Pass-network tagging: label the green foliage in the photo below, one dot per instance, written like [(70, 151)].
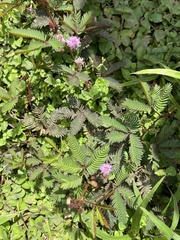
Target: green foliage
[(99, 157), (136, 149), (119, 206), (28, 33), (68, 181), (66, 111)]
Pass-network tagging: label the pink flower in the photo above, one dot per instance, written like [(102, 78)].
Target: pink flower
[(73, 42), (79, 61), (106, 169), (60, 38)]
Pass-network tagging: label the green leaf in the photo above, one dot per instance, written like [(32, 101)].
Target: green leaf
[(68, 181), (76, 149), (167, 232), (159, 34), (121, 176), (67, 165), (6, 218), (92, 117), (101, 218), (135, 149), (116, 136), (34, 45), (78, 4), (52, 143), (136, 218), (8, 106), (175, 220), (77, 123), (55, 43), (92, 222), (160, 172), (36, 173), (114, 84), (28, 33), (119, 206), (156, 17), (104, 236), (86, 18), (4, 94), (137, 193), (69, 23), (136, 105), (161, 97), (160, 71), (111, 122), (99, 157), (146, 90), (49, 159)]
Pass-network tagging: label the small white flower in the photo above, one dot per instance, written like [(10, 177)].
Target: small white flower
[(79, 61)]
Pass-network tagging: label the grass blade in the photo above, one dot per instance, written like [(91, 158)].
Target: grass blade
[(136, 218), (160, 71), (166, 231), (175, 220)]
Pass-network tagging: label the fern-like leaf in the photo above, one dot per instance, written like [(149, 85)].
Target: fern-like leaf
[(40, 21), (136, 105), (76, 149), (28, 33), (120, 208), (17, 87), (34, 45), (116, 136), (135, 149), (48, 181), (99, 157), (72, 182), (68, 22), (67, 70), (77, 123), (92, 117), (36, 173), (132, 121), (8, 106), (116, 159), (68, 181), (121, 176), (32, 161), (146, 90), (79, 4), (162, 100), (55, 44), (29, 122), (111, 122), (127, 195), (4, 94), (172, 143), (86, 19), (170, 148), (114, 84), (60, 113), (52, 143), (56, 131), (67, 165), (49, 159)]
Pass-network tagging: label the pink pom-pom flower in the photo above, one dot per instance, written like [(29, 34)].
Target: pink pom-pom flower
[(106, 169), (73, 42)]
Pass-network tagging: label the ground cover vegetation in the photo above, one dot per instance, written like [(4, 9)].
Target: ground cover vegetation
[(89, 119)]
